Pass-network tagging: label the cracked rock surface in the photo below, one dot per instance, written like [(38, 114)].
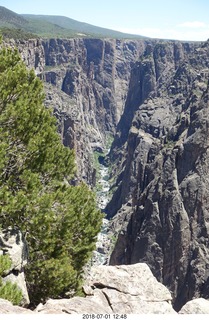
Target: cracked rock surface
[(125, 289), (117, 289)]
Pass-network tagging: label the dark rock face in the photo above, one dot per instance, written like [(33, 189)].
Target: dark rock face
[(150, 108), (160, 160), (86, 83)]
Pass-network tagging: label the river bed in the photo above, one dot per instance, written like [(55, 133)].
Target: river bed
[(103, 245)]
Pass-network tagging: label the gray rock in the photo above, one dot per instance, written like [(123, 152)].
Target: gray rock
[(75, 305), (19, 279), (116, 289), (196, 306), (122, 289), (13, 243), (6, 307), (130, 289)]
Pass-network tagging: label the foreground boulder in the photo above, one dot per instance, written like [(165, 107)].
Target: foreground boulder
[(7, 307), (196, 306), (125, 289), (116, 289)]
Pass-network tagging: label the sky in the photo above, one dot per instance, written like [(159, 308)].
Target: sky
[(166, 19)]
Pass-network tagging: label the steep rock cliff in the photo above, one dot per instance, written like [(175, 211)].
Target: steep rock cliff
[(160, 160), (86, 83), (152, 106)]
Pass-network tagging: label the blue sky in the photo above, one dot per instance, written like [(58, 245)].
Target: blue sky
[(177, 19)]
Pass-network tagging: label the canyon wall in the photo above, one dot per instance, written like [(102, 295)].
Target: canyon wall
[(161, 169), (86, 83)]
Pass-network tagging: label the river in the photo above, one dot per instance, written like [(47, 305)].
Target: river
[(103, 245)]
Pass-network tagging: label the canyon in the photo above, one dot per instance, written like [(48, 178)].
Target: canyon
[(86, 83), (152, 97)]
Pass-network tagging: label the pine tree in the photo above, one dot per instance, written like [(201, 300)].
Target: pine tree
[(59, 221)]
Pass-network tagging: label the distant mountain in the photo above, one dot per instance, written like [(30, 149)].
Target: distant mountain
[(9, 18), (53, 26), (79, 28)]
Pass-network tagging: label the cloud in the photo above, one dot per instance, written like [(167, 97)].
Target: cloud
[(193, 24), (174, 33)]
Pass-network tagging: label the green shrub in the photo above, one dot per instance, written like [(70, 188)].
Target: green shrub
[(8, 290)]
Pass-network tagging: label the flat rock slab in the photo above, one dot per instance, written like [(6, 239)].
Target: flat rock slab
[(76, 305), (136, 280)]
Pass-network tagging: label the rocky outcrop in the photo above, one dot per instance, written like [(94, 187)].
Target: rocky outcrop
[(160, 159), (13, 244), (129, 289), (125, 289), (114, 289)]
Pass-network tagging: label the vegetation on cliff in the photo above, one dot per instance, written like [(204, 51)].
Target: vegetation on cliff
[(11, 33), (59, 221)]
